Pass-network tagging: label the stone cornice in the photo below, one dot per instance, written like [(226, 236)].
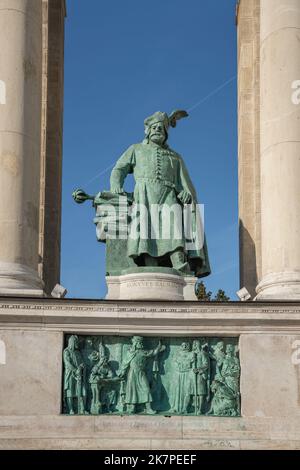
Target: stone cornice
[(125, 317)]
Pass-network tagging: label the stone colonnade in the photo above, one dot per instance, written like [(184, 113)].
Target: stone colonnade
[(20, 136), (280, 150)]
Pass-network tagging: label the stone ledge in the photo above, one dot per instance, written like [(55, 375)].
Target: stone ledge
[(141, 427), (146, 444), (111, 432), (165, 318)]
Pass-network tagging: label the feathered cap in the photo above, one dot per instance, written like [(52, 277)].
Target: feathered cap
[(163, 117)]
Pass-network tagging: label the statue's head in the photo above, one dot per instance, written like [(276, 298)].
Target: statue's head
[(219, 346), (89, 342), (73, 342), (230, 349), (196, 345), (156, 128), (157, 125), (185, 346), (137, 342)]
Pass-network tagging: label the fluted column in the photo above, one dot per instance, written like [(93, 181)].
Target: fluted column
[(280, 150), (20, 131)]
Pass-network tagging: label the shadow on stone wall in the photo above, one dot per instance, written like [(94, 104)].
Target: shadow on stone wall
[(248, 261)]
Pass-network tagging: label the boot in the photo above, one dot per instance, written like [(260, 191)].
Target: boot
[(178, 261), (149, 410)]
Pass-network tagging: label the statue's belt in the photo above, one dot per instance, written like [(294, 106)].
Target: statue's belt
[(168, 184)]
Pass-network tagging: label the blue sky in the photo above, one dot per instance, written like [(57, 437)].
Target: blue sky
[(125, 60)]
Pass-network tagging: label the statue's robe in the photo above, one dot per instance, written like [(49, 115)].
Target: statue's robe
[(137, 385), (72, 360), (202, 378), (160, 175), (184, 381)]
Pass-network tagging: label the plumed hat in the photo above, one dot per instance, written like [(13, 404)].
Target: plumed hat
[(163, 117), (157, 117)]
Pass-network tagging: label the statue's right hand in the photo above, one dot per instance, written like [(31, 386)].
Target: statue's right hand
[(117, 190), (81, 196)]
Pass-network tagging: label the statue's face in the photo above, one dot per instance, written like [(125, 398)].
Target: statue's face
[(137, 343), (73, 342), (157, 133), (230, 349), (185, 347)]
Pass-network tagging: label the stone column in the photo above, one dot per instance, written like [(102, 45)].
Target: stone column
[(248, 22), (54, 12), (280, 150), (20, 134)]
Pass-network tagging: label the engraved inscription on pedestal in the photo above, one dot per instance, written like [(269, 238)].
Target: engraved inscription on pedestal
[(130, 375)]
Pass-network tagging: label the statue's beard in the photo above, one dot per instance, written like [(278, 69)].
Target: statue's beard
[(158, 138)]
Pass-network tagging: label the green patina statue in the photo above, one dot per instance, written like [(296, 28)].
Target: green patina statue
[(102, 379), (183, 380), (159, 225), (202, 375), (74, 384), (122, 375), (225, 386), (137, 391)]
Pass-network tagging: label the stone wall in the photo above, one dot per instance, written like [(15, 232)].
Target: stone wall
[(31, 379)]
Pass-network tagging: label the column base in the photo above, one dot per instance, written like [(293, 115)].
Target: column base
[(279, 286), (19, 280)]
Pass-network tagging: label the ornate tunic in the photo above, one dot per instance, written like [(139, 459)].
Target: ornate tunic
[(160, 175)]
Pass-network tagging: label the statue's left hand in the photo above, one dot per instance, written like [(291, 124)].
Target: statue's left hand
[(185, 197)]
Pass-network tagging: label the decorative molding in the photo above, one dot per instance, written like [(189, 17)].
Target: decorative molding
[(150, 318), (142, 307)]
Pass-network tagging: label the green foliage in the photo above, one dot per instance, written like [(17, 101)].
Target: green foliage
[(221, 296), (206, 296), (202, 293)]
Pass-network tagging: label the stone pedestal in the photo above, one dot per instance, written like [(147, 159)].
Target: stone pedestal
[(150, 286), (32, 333), (189, 288)]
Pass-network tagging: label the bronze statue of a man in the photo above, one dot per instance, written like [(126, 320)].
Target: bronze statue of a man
[(74, 386), (137, 389), (162, 181)]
